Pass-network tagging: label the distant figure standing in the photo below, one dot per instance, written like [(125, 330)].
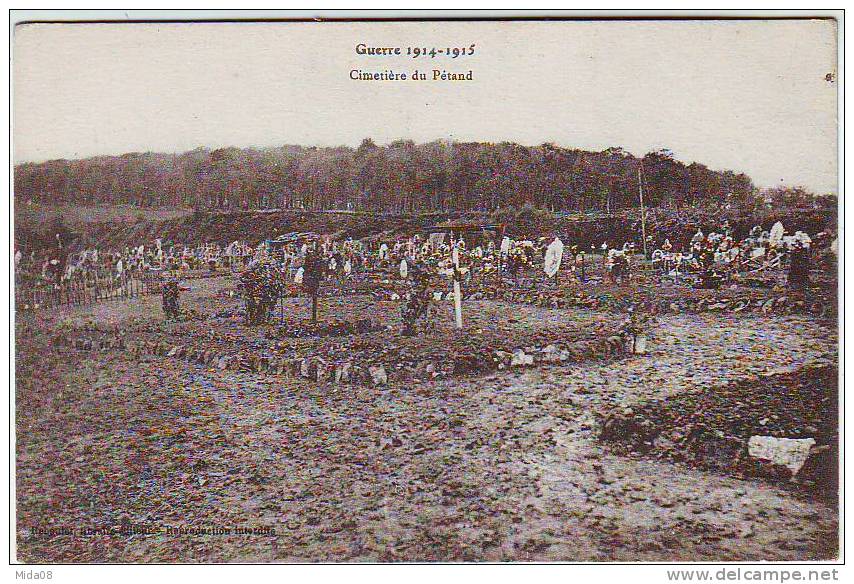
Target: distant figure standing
[(418, 299), (314, 269), (170, 291), (709, 278), (799, 266)]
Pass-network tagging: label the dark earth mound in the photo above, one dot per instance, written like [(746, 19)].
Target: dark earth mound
[(710, 429)]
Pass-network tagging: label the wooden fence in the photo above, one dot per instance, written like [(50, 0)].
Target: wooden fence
[(88, 288)]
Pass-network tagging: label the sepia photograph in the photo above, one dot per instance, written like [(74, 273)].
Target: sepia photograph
[(426, 290)]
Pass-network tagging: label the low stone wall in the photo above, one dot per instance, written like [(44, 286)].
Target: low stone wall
[(293, 328), (771, 303), (323, 370), (772, 300)]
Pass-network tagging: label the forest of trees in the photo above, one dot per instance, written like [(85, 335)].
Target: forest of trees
[(400, 177)]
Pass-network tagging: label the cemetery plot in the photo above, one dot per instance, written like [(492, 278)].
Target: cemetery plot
[(423, 400)]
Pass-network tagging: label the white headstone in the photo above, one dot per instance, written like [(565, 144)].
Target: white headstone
[(776, 235), (505, 245), (554, 254)]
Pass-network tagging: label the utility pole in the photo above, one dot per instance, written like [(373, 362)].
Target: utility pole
[(643, 210)]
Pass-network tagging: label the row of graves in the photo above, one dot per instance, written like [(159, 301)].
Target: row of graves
[(457, 262), (489, 261), (277, 324), (414, 293), (57, 276)]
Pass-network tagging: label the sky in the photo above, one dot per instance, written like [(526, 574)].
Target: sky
[(750, 96)]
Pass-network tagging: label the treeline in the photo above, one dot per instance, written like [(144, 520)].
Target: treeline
[(400, 177)]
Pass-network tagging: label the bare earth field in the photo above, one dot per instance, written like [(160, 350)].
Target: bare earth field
[(116, 452)]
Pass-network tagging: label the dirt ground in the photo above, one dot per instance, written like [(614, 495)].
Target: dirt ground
[(114, 454)]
